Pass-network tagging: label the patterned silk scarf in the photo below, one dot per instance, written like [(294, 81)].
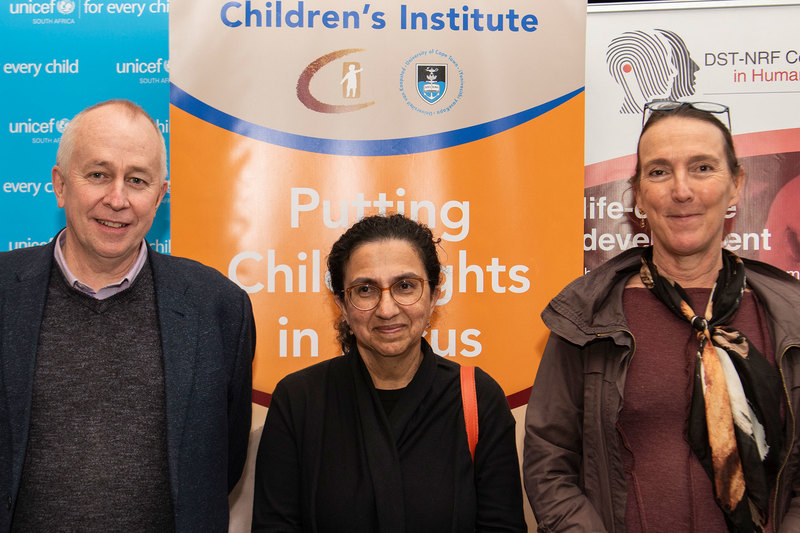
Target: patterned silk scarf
[(734, 419)]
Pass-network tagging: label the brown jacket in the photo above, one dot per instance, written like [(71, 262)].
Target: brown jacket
[(572, 464)]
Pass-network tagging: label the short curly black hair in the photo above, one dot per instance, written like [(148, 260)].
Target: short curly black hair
[(379, 228)]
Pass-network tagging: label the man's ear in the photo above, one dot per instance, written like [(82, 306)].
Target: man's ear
[(164, 187), (59, 183)]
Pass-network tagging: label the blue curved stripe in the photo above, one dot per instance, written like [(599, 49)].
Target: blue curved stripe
[(407, 145)]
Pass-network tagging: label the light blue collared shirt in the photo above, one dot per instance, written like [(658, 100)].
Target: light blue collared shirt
[(108, 290)]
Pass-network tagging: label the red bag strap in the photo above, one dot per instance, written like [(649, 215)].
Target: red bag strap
[(469, 400)]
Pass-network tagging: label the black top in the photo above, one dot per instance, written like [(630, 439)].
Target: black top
[(330, 459), (389, 398)]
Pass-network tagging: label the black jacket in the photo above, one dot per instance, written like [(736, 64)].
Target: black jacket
[(208, 342)]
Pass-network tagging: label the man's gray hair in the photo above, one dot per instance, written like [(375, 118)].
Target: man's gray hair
[(67, 144)]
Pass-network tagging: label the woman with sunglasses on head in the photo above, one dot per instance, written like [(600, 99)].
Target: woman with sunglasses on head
[(376, 440), (667, 392)]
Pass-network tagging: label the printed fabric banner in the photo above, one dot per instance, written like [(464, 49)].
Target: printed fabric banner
[(291, 120), (744, 55), (56, 58)]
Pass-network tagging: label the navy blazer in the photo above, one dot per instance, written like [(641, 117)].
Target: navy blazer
[(208, 342)]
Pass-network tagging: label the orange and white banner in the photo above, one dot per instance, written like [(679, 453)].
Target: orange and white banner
[(290, 120)]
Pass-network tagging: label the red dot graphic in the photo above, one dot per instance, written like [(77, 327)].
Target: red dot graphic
[(626, 67)]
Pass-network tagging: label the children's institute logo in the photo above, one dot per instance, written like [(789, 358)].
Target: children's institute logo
[(340, 90), (649, 66), (431, 82)]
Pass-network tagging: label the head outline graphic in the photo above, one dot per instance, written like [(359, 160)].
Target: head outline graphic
[(649, 66)]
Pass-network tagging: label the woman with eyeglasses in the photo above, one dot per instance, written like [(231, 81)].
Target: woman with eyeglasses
[(376, 440), (667, 393)]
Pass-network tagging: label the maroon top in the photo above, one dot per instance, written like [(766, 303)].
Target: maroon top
[(667, 486)]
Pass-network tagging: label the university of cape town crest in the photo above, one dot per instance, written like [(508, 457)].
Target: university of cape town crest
[(431, 82)]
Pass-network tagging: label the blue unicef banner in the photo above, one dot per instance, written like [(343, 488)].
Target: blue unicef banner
[(56, 58)]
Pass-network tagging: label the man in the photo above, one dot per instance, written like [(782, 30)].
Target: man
[(125, 375)]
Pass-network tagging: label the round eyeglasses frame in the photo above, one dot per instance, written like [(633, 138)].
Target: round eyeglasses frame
[(348, 290)]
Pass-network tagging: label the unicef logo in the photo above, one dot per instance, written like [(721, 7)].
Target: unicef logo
[(65, 7), (61, 125)]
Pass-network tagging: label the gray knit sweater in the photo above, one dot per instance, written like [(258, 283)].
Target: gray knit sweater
[(97, 454)]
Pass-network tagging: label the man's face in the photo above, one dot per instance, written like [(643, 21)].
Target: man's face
[(110, 188)]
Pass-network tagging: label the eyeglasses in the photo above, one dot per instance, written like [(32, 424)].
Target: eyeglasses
[(671, 105), (366, 296)]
